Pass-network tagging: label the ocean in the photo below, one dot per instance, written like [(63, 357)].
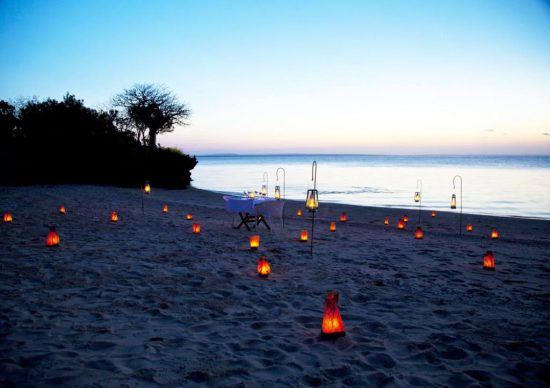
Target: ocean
[(493, 185)]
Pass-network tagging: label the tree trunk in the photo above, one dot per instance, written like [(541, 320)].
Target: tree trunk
[(152, 138)]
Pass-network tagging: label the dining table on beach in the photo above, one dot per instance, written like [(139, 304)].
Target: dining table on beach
[(249, 209)]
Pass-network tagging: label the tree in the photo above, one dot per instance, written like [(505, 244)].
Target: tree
[(152, 108), (8, 122)]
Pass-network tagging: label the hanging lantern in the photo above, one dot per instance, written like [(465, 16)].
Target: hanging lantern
[(303, 235), (419, 234), (114, 217), (333, 226), (8, 217), (299, 213), (386, 221), (343, 217), (453, 201), (417, 196), (147, 188), (469, 227), (62, 209), (264, 269), (196, 228), (53, 238), (400, 224), (264, 190), (165, 209), (312, 200), (332, 326), (494, 234), (254, 242), (433, 214), (489, 261), (405, 218), (277, 192), (189, 216)]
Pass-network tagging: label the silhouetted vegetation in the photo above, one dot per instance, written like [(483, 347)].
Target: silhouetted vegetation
[(66, 142)]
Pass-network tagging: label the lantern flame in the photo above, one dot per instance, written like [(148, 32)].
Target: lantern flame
[(303, 235), (62, 209), (196, 228), (433, 213), (333, 226), (189, 216), (312, 202), (400, 224), (165, 209), (405, 218), (494, 234), (114, 217), (53, 238), (332, 325), (489, 261), (147, 188), (469, 227), (8, 217), (264, 269), (419, 234), (343, 217), (254, 242), (299, 213)]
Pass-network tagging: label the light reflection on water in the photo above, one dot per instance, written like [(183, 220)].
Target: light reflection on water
[(496, 185)]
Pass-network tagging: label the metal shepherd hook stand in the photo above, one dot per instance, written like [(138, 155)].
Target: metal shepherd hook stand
[(418, 198), (312, 199), (277, 188), (453, 203)]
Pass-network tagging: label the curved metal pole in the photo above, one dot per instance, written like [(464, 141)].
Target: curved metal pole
[(460, 218), (419, 202), (265, 178), (314, 174), (284, 179)]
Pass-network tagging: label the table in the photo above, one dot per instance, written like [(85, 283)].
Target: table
[(246, 208)]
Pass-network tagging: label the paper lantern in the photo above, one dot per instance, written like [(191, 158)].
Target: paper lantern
[(453, 201), (333, 226), (405, 218), (386, 221), (299, 213), (189, 216), (489, 261), (303, 235), (312, 200), (433, 214), (264, 269), (417, 196), (494, 234), (165, 209), (343, 217), (469, 227), (332, 326), (8, 217), (277, 192), (114, 217), (419, 234), (62, 209), (254, 242), (147, 188), (400, 224), (53, 238), (196, 228)]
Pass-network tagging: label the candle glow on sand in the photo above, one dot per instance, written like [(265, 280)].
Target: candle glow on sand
[(332, 325), (52, 239), (8, 217)]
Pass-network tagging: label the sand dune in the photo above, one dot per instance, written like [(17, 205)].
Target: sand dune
[(144, 301)]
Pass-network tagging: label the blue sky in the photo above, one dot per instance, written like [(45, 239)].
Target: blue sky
[(401, 77)]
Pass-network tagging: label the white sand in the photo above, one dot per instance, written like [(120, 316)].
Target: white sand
[(145, 301)]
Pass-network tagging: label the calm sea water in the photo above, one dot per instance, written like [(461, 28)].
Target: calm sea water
[(496, 185)]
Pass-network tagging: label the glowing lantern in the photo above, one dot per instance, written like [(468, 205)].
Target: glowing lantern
[(417, 196), (251, 194), (147, 188), (400, 224), (489, 261), (419, 234), (312, 200), (264, 190), (114, 217), (469, 227), (386, 221), (8, 217), (165, 209), (333, 226), (264, 269), (254, 242), (332, 325), (433, 213), (277, 192), (53, 238), (494, 234), (303, 235), (343, 217), (189, 216), (453, 201), (299, 213), (405, 218), (62, 209), (196, 228)]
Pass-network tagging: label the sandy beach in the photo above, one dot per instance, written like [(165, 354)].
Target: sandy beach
[(145, 301)]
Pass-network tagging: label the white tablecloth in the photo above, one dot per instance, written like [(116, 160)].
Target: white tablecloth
[(244, 204)]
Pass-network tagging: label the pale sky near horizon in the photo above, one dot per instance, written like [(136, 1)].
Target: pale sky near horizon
[(393, 77)]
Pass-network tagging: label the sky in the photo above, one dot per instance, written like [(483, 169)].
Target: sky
[(380, 77)]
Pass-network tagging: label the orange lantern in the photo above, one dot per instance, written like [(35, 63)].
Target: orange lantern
[(53, 238), (299, 213), (419, 234), (62, 209), (400, 224), (303, 235), (433, 213), (332, 325), (343, 217), (489, 261), (114, 217), (165, 209), (386, 221), (264, 269), (254, 242), (333, 226), (494, 234), (189, 216), (196, 228), (8, 217), (469, 227), (405, 218)]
